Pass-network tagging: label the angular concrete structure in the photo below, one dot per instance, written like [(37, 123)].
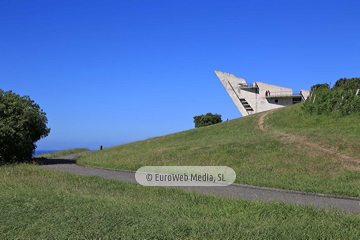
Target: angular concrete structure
[(257, 97)]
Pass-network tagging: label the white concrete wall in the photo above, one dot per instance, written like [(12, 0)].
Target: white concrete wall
[(305, 93), (268, 104), (250, 96), (256, 98), (225, 79)]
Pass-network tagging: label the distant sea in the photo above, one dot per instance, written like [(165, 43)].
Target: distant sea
[(39, 152)]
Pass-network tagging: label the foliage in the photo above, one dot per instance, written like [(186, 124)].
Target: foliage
[(206, 120), (320, 87), (347, 84), (341, 99), (22, 123)]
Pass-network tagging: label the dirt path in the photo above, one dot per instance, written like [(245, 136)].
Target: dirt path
[(261, 121), (300, 139)]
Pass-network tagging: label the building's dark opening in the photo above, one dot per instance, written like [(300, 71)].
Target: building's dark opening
[(276, 101), (296, 100)]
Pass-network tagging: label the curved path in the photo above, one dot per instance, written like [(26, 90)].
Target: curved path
[(239, 191)]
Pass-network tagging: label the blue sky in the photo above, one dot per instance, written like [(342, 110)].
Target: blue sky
[(113, 72)]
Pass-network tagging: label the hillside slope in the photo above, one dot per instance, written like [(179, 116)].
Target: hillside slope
[(262, 158), (340, 134)]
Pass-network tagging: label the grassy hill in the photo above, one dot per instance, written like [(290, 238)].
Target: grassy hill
[(277, 157), (42, 204), (342, 134)]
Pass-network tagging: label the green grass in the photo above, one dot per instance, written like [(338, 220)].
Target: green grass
[(41, 204), (259, 158), (62, 153), (339, 133)]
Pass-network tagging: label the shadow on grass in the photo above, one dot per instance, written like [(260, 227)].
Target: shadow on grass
[(68, 159), (45, 161), (39, 161)]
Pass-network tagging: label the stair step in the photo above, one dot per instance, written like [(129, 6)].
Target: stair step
[(245, 104)]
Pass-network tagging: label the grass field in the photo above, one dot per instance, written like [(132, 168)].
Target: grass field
[(339, 133), (259, 158), (41, 204)]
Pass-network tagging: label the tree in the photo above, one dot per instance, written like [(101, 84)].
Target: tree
[(22, 123), (341, 99), (206, 120), (317, 87), (344, 84)]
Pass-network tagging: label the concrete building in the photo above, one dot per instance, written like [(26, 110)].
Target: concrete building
[(257, 97)]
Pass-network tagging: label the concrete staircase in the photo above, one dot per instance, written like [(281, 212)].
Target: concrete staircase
[(246, 104)]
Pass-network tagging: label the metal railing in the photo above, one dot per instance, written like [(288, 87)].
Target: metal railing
[(252, 84), (284, 94)]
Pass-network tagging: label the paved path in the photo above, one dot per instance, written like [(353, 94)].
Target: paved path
[(239, 191)]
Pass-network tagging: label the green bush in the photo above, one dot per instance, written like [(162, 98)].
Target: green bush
[(206, 120), (22, 123), (341, 99), (347, 84)]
